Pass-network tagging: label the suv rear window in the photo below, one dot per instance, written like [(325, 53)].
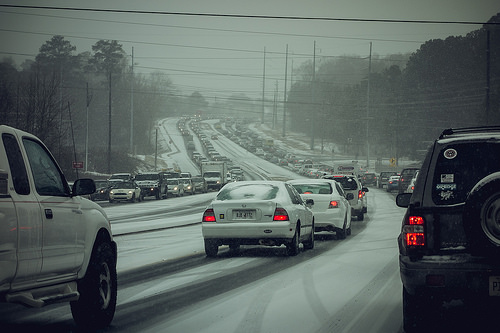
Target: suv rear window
[(348, 183), (459, 167)]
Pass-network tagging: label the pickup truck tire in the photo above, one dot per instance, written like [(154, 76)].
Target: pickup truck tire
[(481, 219), (98, 290)]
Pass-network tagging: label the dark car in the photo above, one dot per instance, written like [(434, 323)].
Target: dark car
[(405, 178), (383, 178), (101, 190), (449, 243), (369, 178)]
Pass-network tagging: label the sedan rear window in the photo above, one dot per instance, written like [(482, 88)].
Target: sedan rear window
[(250, 191), (313, 188)]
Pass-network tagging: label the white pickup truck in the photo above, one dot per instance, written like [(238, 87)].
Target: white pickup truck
[(55, 245)]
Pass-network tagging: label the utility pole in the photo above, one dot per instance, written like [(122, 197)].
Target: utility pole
[(284, 93), (109, 126), (87, 132), (132, 106), (311, 116), (263, 87), (368, 108)]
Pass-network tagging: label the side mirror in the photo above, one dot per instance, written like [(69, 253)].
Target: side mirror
[(83, 187), (309, 203), (403, 200), (349, 196), (365, 189)]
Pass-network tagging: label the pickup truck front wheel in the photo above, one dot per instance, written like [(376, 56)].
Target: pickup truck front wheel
[(98, 289)]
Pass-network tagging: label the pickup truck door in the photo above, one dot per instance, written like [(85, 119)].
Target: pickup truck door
[(60, 213), (20, 225)]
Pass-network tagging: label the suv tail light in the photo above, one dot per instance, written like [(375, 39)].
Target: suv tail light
[(280, 214), (413, 231), (209, 216), (334, 204), (360, 194)]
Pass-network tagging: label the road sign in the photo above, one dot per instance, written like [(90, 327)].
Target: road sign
[(392, 161), (77, 165)]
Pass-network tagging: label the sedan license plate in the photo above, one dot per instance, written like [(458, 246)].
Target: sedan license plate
[(243, 214), (494, 286)]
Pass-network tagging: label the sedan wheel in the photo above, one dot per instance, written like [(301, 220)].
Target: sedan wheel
[(211, 248), (292, 248)]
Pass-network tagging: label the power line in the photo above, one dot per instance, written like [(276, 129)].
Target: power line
[(220, 30), (276, 17)]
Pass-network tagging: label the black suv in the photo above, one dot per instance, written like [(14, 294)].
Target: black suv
[(450, 238)]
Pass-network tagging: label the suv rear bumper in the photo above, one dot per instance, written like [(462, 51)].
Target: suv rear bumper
[(457, 275)]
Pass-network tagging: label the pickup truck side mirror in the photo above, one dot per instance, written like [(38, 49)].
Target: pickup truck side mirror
[(349, 196), (83, 186)]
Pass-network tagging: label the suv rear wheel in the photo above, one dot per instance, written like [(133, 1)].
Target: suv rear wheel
[(482, 218)]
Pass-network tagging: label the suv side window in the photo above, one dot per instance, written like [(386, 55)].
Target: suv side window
[(16, 164), (459, 167), (46, 175)]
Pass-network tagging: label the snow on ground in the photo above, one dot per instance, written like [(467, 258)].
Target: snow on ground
[(317, 292)]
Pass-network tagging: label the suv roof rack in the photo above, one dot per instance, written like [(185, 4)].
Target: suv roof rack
[(465, 130)]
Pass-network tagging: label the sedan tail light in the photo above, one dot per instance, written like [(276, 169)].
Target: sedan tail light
[(334, 204), (413, 231), (280, 214), (209, 216)]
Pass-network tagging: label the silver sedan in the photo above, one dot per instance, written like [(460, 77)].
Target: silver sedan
[(269, 213)]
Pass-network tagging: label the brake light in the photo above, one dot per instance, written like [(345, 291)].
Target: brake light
[(280, 214), (413, 231), (334, 204), (209, 216), (360, 194)]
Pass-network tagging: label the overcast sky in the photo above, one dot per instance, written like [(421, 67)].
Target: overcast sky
[(220, 56)]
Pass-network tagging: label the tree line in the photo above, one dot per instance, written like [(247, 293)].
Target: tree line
[(453, 82), (399, 107)]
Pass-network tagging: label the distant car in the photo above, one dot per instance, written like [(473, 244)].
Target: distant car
[(351, 184), (125, 191), (174, 187), (384, 176), (152, 184), (411, 186), (369, 178), (188, 185), (101, 190), (269, 213), (405, 178), (392, 183), (199, 184), (121, 176), (332, 211)]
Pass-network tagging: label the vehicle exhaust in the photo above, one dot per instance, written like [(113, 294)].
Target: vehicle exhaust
[(267, 242)]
